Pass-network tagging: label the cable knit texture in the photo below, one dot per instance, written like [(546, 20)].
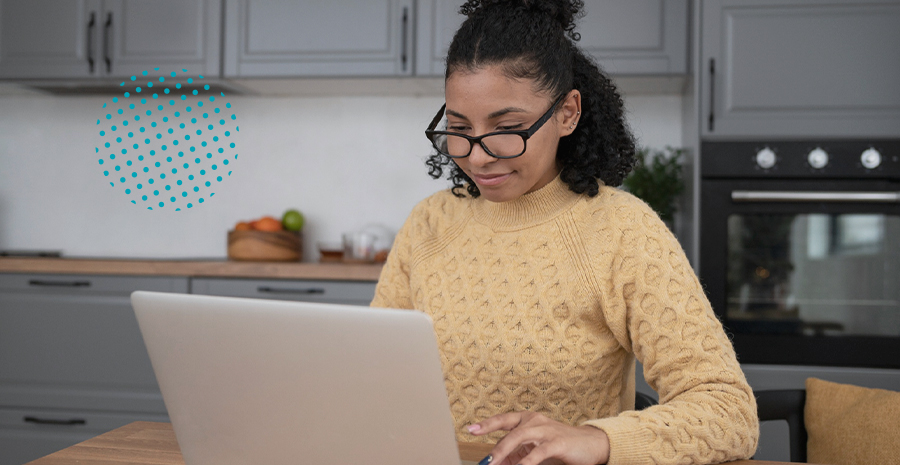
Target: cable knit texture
[(543, 303)]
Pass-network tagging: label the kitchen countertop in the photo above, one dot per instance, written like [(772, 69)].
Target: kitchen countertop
[(191, 267)]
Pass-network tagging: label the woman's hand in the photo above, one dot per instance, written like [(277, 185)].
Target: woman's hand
[(534, 439)]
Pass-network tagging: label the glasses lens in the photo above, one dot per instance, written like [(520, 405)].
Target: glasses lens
[(452, 146), (505, 145)]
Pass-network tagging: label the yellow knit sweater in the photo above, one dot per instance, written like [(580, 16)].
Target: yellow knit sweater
[(542, 304)]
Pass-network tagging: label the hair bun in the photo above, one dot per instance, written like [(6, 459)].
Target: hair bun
[(563, 12)]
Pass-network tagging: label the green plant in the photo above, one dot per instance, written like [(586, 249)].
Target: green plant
[(657, 179)]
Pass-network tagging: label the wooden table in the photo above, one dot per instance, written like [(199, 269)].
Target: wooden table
[(149, 443)]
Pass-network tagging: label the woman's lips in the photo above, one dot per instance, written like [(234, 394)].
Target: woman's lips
[(490, 179)]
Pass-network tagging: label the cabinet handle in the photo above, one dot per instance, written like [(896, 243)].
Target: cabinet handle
[(404, 39), (38, 282), (54, 421), (284, 290), (712, 92), (106, 42), (90, 47)]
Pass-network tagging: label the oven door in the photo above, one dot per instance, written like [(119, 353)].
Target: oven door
[(805, 272)]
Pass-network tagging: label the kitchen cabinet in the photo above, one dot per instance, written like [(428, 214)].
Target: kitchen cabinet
[(643, 37), (72, 360), (309, 38), (800, 68), (22, 442), (335, 292), (266, 39), (108, 38)]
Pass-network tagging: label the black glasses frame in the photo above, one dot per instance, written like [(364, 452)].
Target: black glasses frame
[(524, 134)]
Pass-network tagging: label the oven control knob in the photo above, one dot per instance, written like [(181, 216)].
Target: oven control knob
[(870, 159), (817, 158), (765, 158)]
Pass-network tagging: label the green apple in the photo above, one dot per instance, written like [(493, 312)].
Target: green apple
[(292, 220)]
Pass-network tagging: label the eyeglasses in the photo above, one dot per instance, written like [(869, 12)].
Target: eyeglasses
[(499, 144)]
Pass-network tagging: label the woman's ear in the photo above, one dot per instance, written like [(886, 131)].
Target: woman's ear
[(570, 112)]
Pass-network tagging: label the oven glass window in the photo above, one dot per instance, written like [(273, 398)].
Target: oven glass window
[(814, 274)]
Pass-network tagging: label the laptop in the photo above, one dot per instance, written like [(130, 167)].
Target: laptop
[(264, 381)]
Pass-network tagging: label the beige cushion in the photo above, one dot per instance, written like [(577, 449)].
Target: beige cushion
[(851, 425)]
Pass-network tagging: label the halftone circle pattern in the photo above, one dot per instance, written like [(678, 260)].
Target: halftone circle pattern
[(168, 141)]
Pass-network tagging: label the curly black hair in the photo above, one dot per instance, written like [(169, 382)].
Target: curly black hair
[(535, 39)]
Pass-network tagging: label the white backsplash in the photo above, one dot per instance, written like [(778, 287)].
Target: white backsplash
[(343, 161)]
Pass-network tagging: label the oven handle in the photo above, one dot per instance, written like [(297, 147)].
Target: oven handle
[(797, 196)]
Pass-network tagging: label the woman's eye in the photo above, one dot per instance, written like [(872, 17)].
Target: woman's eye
[(509, 128), (457, 128)]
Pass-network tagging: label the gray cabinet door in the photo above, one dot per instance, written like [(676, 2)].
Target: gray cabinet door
[(166, 34), (72, 342), (29, 434), (114, 38), (636, 37), (314, 38), (334, 292), (49, 38), (800, 68), (436, 23)]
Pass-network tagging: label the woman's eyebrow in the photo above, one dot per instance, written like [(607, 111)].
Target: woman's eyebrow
[(506, 110), (493, 115)]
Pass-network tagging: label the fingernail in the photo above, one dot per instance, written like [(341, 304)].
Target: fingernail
[(474, 428), (486, 460)]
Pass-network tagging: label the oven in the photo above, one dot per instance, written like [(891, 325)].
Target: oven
[(800, 249)]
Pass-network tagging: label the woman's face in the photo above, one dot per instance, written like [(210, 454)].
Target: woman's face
[(483, 101)]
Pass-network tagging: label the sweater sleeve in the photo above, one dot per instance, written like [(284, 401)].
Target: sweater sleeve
[(393, 290), (656, 308)]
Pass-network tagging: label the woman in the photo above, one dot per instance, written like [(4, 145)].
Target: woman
[(543, 280)]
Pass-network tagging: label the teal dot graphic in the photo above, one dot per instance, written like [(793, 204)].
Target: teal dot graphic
[(137, 155)]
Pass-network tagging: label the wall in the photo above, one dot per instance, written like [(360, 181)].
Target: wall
[(343, 161)]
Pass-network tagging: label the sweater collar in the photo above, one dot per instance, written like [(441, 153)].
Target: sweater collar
[(528, 210)]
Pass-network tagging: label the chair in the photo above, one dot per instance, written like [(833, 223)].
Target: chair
[(642, 401), (786, 404)]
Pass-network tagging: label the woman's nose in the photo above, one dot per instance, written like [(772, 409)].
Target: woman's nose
[(479, 157)]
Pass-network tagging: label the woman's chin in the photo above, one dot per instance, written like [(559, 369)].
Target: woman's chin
[(498, 194)]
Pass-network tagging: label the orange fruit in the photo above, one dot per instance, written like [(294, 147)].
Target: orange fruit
[(268, 223), (243, 226)]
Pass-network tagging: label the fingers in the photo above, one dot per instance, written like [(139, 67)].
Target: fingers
[(521, 443), (534, 439), (502, 422)]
